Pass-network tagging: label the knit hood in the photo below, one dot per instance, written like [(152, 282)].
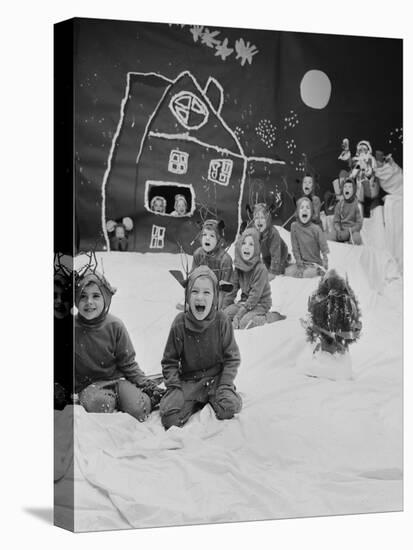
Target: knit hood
[(191, 322), (218, 228), (105, 288), (239, 262), (299, 203), (366, 143), (303, 190), (262, 208)]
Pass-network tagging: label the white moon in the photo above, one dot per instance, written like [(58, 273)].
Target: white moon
[(315, 89)]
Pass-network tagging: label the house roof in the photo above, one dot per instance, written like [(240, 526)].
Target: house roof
[(187, 108)]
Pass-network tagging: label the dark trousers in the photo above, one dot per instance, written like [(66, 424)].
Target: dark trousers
[(179, 404)]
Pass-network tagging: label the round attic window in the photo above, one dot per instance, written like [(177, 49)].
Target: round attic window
[(189, 110)]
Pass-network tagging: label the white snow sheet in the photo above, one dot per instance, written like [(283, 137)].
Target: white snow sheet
[(300, 446)]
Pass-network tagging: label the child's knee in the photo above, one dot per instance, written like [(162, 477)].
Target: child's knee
[(171, 419), (140, 409), (98, 400), (133, 401)]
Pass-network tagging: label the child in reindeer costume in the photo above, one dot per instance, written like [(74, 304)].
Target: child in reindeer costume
[(333, 323)]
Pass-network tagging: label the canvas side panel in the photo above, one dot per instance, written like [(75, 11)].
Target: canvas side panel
[(65, 246)]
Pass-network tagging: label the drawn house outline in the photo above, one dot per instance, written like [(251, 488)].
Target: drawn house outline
[(236, 151)]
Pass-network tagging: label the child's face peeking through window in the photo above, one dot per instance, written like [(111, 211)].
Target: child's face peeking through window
[(158, 206), (304, 212), (260, 221), (308, 185), (208, 240), (180, 207), (247, 248), (91, 302), (201, 298)]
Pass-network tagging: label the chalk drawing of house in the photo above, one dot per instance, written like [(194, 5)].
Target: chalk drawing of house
[(172, 141)]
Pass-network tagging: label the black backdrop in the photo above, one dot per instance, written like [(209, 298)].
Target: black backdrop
[(262, 100)]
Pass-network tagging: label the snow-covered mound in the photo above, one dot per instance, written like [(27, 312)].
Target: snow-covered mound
[(301, 446)]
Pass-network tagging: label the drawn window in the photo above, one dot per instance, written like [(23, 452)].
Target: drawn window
[(178, 162), (167, 198), (157, 237), (220, 171), (189, 110)]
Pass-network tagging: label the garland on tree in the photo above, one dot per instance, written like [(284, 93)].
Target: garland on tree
[(333, 319)]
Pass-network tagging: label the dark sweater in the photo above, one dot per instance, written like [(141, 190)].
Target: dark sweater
[(219, 261), (347, 215), (187, 352), (316, 209), (307, 242), (254, 285), (104, 352), (274, 251)]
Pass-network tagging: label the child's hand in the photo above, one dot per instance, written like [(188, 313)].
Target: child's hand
[(271, 276), (325, 263), (154, 392), (343, 235), (300, 269), (235, 323)]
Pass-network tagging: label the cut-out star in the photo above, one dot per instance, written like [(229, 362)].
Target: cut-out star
[(196, 32), (208, 38), (223, 51), (245, 51)]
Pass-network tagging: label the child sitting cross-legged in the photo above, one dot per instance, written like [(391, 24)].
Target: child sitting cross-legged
[(107, 376), (201, 357), (308, 242), (250, 275)]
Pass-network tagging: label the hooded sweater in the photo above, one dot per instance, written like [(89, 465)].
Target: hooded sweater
[(274, 251), (347, 214), (250, 276), (200, 348), (104, 352), (307, 240), (103, 348)]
